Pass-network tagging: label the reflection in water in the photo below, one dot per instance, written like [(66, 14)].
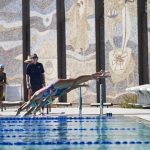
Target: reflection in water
[(101, 133), (62, 134), (2, 134), (81, 131), (33, 133)]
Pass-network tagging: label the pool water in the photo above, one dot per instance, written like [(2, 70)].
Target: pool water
[(73, 133)]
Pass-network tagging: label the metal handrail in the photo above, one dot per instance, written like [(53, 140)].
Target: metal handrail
[(101, 100), (80, 102)]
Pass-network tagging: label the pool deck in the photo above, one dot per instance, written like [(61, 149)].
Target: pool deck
[(141, 113)]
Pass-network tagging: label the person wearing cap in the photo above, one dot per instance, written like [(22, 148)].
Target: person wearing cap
[(2, 81), (35, 77)]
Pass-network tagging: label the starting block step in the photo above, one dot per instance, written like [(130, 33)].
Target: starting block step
[(62, 104), (146, 106), (140, 105), (135, 104), (104, 104)]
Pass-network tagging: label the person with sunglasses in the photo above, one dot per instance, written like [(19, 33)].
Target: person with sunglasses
[(35, 78)]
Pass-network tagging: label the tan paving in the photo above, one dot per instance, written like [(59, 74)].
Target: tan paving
[(141, 113)]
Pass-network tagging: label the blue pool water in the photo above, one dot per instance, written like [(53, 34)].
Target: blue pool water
[(73, 133)]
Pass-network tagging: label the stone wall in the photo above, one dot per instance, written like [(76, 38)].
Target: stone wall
[(80, 43), (11, 39), (44, 35), (121, 46)]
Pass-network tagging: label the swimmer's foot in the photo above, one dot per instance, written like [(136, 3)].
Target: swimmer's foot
[(18, 111)]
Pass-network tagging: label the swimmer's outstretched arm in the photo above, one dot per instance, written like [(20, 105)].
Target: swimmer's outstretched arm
[(95, 76), (63, 83)]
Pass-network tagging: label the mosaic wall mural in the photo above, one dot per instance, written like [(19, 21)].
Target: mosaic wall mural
[(148, 21), (121, 47), (80, 43), (44, 35), (121, 43), (11, 39)]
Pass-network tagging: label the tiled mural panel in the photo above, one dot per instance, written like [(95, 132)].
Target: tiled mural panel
[(148, 21), (121, 42), (80, 45), (44, 35), (121, 46), (11, 39)]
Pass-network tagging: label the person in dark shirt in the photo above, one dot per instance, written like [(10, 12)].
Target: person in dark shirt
[(2, 81), (35, 77)]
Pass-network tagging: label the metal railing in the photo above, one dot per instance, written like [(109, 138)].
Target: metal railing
[(101, 100), (80, 101)]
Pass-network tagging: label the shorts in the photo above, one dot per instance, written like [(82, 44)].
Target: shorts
[(1, 93), (36, 88)]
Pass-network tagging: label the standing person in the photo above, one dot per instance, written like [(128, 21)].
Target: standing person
[(35, 77), (29, 61), (3, 81)]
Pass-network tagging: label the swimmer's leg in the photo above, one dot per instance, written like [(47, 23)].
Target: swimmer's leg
[(38, 107), (43, 103), (26, 105), (29, 111), (33, 105)]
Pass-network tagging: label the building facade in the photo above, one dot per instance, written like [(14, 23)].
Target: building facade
[(75, 37)]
